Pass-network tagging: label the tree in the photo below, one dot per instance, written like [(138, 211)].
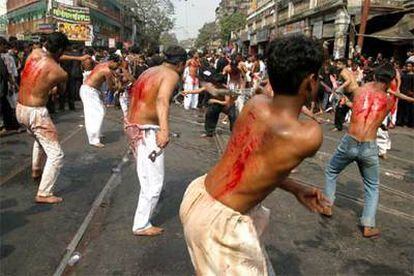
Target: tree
[(231, 23), (154, 17), (207, 34), (168, 39)]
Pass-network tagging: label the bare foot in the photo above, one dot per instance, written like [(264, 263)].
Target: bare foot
[(383, 156), (152, 231), (99, 145), (370, 232), (48, 199), (327, 212)]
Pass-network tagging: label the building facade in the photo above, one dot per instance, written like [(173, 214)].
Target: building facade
[(28, 19), (334, 21), (228, 7)]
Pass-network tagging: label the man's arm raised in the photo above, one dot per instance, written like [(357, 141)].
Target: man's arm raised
[(165, 92)]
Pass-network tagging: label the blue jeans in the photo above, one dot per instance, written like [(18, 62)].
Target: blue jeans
[(365, 154)]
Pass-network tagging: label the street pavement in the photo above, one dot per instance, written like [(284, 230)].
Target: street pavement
[(34, 238)]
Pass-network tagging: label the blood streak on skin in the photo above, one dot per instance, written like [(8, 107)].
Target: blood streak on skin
[(370, 105), (248, 143), (139, 89), (30, 75)]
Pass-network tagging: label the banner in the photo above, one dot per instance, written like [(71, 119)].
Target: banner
[(71, 14), (77, 32)]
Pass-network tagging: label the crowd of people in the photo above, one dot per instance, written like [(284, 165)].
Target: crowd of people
[(221, 212)]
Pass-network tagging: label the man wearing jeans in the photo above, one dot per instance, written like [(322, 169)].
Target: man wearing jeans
[(371, 105)]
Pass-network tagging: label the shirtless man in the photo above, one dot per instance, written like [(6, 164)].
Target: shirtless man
[(369, 108), (91, 96), (148, 131), (348, 86), (191, 81), (40, 76), (221, 212)]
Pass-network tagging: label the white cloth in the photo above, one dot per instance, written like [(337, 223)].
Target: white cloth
[(191, 100), (94, 112), (47, 152), (383, 138), (124, 102), (220, 240), (150, 176)]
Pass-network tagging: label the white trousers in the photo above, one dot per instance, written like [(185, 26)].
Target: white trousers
[(47, 152), (94, 112), (150, 176), (191, 100), (124, 102), (383, 137)]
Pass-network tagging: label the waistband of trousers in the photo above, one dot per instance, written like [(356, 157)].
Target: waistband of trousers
[(356, 141), (91, 87), (22, 106)]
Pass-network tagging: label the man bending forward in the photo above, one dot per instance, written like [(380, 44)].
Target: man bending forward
[(221, 212)]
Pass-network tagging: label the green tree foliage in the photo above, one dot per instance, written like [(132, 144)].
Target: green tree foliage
[(154, 17), (207, 34), (168, 39), (231, 23)]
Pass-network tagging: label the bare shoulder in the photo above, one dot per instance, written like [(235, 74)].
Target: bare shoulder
[(309, 135), (169, 75)]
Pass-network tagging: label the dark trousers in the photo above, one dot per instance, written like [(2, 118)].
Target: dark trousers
[(9, 114), (340, 115), (405, 114), (213, 114), (70, 94)]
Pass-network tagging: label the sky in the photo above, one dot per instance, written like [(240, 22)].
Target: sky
[(191, 15)]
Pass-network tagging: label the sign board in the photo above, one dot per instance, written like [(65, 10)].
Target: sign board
[(46, 27), (71, 14), (111, 42), (77, 32)]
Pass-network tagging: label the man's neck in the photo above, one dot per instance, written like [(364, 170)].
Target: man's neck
[(288, 105), (170, 66)]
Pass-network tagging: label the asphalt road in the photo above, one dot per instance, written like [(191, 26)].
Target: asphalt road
[(34, 238)]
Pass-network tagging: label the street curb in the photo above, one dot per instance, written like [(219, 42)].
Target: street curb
[(95, 206)]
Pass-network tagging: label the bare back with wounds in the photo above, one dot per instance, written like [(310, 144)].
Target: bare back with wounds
[(144, 94), (99, 75), (264, 147), (370, 106), (39, 76)]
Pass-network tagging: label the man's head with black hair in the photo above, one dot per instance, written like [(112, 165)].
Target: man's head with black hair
[(292, 62), (409, 65), (135, 50), (384, 73), (341, 63), (176, 56), (4, 45), (56, 43), (114, 61)]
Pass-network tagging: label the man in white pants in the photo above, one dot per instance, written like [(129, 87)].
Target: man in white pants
[(148, 131), (191, 82), (91, 96)]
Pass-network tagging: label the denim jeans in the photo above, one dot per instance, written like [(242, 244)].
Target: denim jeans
[(365, 154)]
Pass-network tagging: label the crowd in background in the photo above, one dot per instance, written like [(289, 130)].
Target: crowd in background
[(238, 71)]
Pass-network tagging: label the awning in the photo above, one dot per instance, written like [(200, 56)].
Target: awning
[(403, 30)]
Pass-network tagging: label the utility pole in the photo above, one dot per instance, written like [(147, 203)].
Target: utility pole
[(364, 18)]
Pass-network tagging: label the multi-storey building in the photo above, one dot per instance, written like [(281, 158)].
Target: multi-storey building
[(29, 18), (228, 7), (334, 21)]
